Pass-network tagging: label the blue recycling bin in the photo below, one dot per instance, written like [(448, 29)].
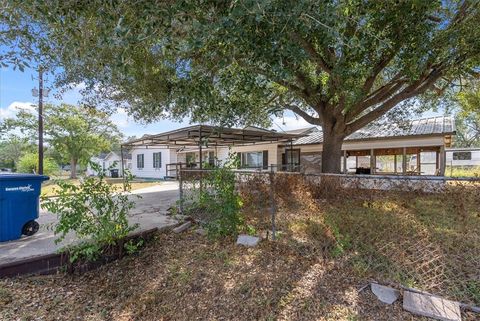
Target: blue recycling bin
[(19, 204)]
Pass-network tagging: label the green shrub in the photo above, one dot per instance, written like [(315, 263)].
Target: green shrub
[(220, 197), (28, 163), (97, 212)]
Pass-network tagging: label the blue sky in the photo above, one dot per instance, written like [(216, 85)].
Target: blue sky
[(15, 92)]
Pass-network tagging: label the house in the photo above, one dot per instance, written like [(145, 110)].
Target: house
[(110, 161), (464, 157), (418, 148)]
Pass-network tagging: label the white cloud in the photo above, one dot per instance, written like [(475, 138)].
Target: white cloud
[(80, 86), (121, 118), (289, 123), (14, 107)]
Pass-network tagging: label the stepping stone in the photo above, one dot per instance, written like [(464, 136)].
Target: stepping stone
[(201, 231), (247, 240), (183, 227), (432, 307), (385, 294)]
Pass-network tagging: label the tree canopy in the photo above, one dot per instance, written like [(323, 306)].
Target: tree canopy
[(337, 64), (12, 148), (468, 116), (75, 132)]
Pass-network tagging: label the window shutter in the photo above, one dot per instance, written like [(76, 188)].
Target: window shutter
[(159, 160), (265, 159)]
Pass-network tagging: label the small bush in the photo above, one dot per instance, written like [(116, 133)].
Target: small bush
[(97, 212), (219, 198), (28, 163)]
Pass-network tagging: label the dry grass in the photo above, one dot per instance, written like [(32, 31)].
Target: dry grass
[(429, 241), (187, 277), (333, 242), (461, 171)]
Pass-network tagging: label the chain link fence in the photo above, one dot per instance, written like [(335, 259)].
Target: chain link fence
[(418, 231)]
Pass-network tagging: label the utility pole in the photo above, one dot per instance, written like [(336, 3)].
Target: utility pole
[(40, 121), (40, 93)]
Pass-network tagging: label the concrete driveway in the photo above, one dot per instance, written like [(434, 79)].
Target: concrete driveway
[(149, 212)]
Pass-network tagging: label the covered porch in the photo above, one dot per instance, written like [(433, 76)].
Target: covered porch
[(422, 160)]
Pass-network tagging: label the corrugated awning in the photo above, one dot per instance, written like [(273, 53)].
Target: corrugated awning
[(206, 135)]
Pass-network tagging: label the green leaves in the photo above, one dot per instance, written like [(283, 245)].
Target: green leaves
[(347, 62), (76, 132), (28, 163), (468, 116), (95, 211)]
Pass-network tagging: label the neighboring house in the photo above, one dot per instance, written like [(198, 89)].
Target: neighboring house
[(465, 157), (151, 162), (417, 149), (110, 161)]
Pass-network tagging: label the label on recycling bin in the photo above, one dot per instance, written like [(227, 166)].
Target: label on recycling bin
[(27, 188)]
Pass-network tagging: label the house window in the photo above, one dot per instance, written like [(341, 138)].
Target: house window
[(190, 159), (211, 158), (291, 159), (157, 160), (462, 155), (254, 159), (140, 162)]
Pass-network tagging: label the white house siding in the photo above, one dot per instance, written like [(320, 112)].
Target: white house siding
[(107, 163), (148, 171), (113, 161), (222, 154), (96, 160), (475, 161), (274, 155)]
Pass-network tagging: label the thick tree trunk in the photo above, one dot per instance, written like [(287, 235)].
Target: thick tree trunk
[(332, 149), (73, 168)]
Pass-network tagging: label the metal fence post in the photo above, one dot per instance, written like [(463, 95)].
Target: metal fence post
[(180, 191), (272, 203)]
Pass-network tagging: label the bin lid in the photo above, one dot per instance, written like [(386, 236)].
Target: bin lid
[(22, 176)]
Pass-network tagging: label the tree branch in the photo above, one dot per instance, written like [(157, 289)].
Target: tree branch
[(382, 63), (409, 92), (377, 97), (314, 55), (312, 120)]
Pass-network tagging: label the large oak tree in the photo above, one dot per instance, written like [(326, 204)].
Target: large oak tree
[(338, 64), (468, 116)]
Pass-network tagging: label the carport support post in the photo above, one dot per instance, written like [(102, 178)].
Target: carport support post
[(345, 162), (443, 160), (123, 168), (404, 161), (180, 192), (200, 152), (273, 207), (373, 162)]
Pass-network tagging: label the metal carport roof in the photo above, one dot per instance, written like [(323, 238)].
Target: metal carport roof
[(206, 135)]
